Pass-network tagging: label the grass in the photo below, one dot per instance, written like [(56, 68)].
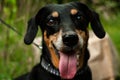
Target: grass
[(17, 58)]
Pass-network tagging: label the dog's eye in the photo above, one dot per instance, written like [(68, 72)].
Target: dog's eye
[(79, 17), (52, 22)]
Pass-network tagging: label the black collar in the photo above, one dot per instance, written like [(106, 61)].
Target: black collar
[(48, 67), (51, 69)]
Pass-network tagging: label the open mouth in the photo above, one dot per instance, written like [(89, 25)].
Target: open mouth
[(68, 62)]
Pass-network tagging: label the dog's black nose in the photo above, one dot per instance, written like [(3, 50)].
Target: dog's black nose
[(70, 39)]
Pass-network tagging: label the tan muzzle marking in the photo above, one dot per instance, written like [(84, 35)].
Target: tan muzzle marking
[(54, 57)]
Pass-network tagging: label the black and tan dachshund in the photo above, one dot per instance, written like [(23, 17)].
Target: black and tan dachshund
[(64, 40)]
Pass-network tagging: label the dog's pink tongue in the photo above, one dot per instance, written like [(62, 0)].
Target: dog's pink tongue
[(67, 65)]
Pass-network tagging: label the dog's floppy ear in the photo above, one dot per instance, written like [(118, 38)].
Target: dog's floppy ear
[(93, 17), (97, 26), (32, 27), (31, 31)]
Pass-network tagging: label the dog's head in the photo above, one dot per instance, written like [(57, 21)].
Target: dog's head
[(65, 34)]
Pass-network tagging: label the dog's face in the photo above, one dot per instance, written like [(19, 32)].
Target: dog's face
[(65, 34)]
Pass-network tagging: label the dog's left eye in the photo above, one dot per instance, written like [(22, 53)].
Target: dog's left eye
[(79, 17), (52, 21)]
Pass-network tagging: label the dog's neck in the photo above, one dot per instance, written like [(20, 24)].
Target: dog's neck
[(45, 53), (46, 61), (49, 67)]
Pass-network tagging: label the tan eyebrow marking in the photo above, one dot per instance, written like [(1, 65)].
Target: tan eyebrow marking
[(73, 11), (55, 14)]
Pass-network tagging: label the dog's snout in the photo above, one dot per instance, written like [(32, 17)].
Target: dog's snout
[(70, 39)]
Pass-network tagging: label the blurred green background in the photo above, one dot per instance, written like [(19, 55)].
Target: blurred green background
[(17, 58)]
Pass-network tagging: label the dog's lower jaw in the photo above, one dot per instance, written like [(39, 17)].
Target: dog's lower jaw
[(69, 62)]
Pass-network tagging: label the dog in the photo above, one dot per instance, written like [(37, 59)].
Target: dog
[(65, 37)]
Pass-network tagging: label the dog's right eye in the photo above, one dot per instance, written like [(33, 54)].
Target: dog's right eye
[(52, 21)]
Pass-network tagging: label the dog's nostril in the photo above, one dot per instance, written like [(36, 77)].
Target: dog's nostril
[(70, 39)]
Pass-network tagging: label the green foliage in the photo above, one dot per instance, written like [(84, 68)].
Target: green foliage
[(10, 8)]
